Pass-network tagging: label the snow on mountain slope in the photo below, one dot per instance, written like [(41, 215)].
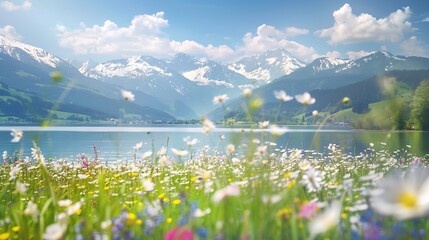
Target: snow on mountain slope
[(199, 75), (267, 66), (27, 53)]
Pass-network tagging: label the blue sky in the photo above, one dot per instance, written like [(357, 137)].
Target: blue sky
[(221, 30)]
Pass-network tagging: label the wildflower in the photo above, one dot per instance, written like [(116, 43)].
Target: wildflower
[(263, 124), (230, 190), (190, 142), (247, 92), (277, 131), (14, 171), (312, 180), (127, 95), (54, 231), (346, 100), (220, 99), (4, 236), (308, 210), (161, 152), (32, 210), (148, 185), (305, 99), (201, 213), (74, 209), (403, 196), (37, 155), (56, 76), (208, 125), (106, 224), (82, 176), (176, 202), (230, 148), (179, 153), (315, 113), (261, 150), (17, 135), (146, 155), (138, 146), (256, 103), (65, 203), (179, 233), (284, 213), (282, 96), (21, 187), (4, 155), (329, 218)]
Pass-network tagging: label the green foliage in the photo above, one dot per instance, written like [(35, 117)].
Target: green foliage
[(420, 107)]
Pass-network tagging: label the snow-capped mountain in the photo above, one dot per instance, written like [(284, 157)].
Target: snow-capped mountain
[(267, 66), (326, 63), (206, 72), (27, 53)]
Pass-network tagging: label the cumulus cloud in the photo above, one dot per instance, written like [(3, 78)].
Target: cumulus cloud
[(349, 28), (294, 31), (354, 55), (10, 6), (333, 54), (269, 38), (9, 32), (145, 36), (426, 19), (413, 47)]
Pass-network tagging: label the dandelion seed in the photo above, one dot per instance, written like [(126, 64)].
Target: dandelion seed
[(305, 99), (127, 95), (220, 99), (17, 135), (282, 96)]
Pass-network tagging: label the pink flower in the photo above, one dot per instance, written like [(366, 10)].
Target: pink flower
[(178, 233), (308, 210), (231, 190)]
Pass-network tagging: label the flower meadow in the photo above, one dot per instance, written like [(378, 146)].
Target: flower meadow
[(251, 189)]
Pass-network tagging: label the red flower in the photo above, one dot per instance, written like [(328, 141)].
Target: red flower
[(178, 233)]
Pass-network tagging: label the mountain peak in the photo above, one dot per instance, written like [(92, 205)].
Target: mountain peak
[(267, 66), (27, 53)]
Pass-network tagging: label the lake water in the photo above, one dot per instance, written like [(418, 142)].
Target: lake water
[(115, 143)]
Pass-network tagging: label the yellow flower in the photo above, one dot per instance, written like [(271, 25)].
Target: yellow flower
[(139, 222), (106, 188), (176, 201), (161, 196), (291, 184), (4, 236), (284, 213), (169, 220), (16, 228), (131, 218)]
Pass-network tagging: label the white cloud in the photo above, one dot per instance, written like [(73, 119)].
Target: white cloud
[(269, 38), (145, 36), (333, 54), (10, 6), (354, 55), (349, 28), (10, 32), (426, 19), (413, 47), (293, 31)]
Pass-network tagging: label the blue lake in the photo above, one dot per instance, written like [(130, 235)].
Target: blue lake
[(113, 143)]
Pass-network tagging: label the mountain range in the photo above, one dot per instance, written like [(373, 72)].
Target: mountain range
[(166, 89)]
